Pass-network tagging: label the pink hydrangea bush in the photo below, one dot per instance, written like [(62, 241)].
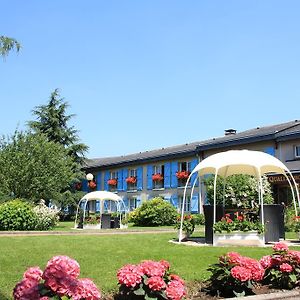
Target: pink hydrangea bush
[(59, 280), (282, 267), (150, 279), (235, 275)]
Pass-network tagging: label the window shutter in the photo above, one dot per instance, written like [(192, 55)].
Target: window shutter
[(194, 163), (138, 201), (139, 174), (167, 175), (85, 185), (174, 169), (195, 204), (106, 177), (98, 181), (149, 177), (125, 175), (120, 180), (174, 200), (270, 150)]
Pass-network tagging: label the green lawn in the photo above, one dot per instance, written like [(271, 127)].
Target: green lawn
[(101, 256)]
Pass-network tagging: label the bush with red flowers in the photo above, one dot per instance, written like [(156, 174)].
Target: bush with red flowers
[(112, 181), (92, 184), (131, 179), (150, 280), (282, 267), (78, 186), (235, 275), (58, 281), (157, 177), (182, 174)]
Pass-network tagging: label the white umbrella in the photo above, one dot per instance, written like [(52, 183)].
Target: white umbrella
[(232, 162)]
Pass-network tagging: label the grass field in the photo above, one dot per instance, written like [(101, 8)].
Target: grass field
[(101, 256)]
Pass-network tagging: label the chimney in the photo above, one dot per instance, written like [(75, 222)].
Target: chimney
[(230, 131)]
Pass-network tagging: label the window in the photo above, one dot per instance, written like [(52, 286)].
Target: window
[(113, 181), (184, 169), (158, 178), (297, 151), (132, 180), (132, 203), (187, 204), (109, 206)]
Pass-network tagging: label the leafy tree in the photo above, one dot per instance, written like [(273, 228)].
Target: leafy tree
[(52, 120), (240, 191), (32, 167), (7, 44)]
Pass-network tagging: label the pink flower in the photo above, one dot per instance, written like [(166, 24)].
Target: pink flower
[(286, 268), (276, 260), (156, 283), (85, 289), (295, 255), (177, 278), (241, 273), (130, 275), (266, 261), (165, 263), (27, 289), (280, 246), (233, 258), (152, 268), (175, 290), (34, 273)]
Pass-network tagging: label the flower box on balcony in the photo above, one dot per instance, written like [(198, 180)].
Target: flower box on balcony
[(157, 177), (236, 238), (92, 184), (112, 181), (131, 179), (78, 186), (182, 174)]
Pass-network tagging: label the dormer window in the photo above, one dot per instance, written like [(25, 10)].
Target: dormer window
[(297, 151)]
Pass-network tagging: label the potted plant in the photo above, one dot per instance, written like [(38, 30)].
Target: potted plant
[(157, 177), (124, 223), (131, 179), (92, 184), (182, 174), (112, 181), (78, 186), (188, 225), (91, 222), (239, 230)]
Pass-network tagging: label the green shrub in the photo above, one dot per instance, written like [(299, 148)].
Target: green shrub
[(17, 215), (155, 212), (199, 219)]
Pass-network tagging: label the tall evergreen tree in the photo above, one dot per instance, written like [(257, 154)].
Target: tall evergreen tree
[(52, 120), (7, 44)]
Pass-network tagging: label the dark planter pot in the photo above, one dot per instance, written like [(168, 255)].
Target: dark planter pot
[(209, 220), (274, 222)]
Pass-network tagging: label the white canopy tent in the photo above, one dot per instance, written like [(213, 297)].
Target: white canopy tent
[(232, 162), (100, 196)]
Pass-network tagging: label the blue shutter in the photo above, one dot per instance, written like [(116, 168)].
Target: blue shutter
[(149, 177), (195, 204), (174, 200), (174, 169), (125, 175), (120, 180), (194, 163), (270, 150), (98, 181), (125, 200), (106, 178), (167, 175), (97, 206), (85, 187), (138, 201), (139, 174)]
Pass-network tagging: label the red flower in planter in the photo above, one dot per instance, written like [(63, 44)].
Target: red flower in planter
[(78, 186), (182, 174), (112, 181), (131, 179), (92, 184), (157, 177)]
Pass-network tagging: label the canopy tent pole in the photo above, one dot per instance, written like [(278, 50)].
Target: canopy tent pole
[(193, 187), (296, 187), (215, 195), (75, 224), (262, 201), (182, 208), (293, 194)]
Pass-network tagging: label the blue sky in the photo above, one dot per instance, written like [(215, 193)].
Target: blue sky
[(141, 75)]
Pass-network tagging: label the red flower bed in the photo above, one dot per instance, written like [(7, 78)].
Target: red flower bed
[(182, 174), (157, 177), (112, 181), (131, 179)]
